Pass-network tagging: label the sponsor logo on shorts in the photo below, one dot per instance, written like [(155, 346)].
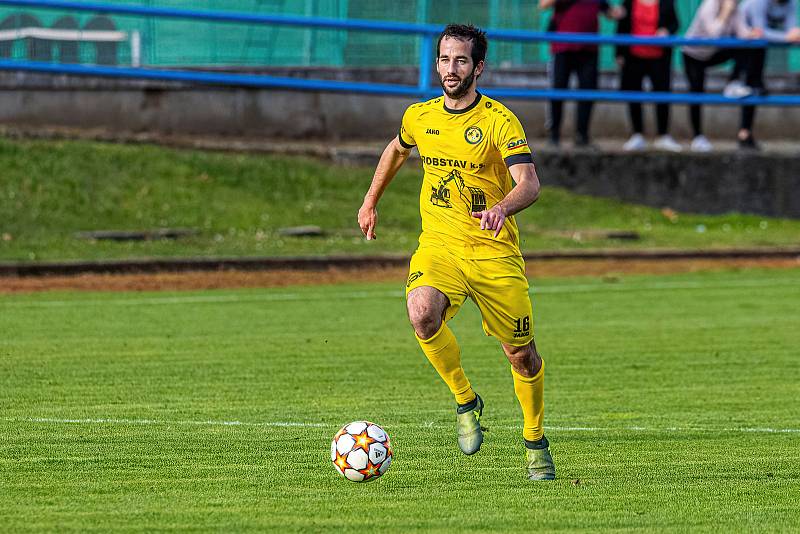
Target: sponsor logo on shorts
[(412, 277), (522, 327), (473, 135)]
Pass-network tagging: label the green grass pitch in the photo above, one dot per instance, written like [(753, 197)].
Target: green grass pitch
[(672, 405), (238, 203)]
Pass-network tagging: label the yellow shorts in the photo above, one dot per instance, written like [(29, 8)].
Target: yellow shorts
[(498, 286)]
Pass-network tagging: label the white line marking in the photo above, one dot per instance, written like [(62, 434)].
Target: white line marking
[(665, 286), (428, 424), (391, 294), (158, 422), (206, 299)]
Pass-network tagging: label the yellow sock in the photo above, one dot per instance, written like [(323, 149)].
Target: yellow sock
[(530, 394), (445, 356)]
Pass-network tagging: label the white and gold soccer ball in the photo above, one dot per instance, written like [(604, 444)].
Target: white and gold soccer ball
[(361, 451)]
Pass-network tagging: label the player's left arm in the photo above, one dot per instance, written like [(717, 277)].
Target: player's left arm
[(522, 195)]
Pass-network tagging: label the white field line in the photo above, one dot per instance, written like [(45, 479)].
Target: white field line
[(289, 424), (103, 421), (365, 295)]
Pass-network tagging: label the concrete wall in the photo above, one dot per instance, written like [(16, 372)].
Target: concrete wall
[(766, 184), (137, 106), (713, 183)]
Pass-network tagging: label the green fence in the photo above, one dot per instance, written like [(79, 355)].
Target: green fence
[(174, 42)]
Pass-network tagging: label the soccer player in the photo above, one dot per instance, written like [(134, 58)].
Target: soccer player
[(473, 151)]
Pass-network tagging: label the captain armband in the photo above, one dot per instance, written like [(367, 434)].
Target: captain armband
[(518, 158)]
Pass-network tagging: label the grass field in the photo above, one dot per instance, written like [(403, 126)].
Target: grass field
[(672, 405), (237, 204)]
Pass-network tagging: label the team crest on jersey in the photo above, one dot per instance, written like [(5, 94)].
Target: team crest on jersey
[(473, 135)]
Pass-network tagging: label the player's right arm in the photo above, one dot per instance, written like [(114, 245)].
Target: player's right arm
[(393, 157)]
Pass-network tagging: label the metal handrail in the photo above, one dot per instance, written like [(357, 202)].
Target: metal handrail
[(427, 32), (382, 26)]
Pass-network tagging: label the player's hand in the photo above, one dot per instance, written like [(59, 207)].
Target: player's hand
[(367, 219), (755, 33), (492, 219), (793, 35)]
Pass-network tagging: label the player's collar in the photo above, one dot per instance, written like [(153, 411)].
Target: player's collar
[(468, 108)]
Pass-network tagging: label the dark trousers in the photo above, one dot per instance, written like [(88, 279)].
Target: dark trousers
[(584, 65), (659, 71), (751, 62), (696, 76)]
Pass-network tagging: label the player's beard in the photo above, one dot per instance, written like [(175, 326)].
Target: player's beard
[(459, 90)]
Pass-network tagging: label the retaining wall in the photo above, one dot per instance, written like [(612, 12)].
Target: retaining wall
[(711, 183), (32, 99)]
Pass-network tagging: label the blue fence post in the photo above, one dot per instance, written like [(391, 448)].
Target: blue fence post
[(425, 64)]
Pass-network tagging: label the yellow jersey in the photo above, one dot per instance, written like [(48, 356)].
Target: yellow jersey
[(465, 156)]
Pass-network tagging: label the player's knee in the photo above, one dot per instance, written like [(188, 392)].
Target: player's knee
[(524, 360), (426, 307), (520, 361), (425, 320)]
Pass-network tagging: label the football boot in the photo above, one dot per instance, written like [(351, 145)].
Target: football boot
[(470, 433), (538, 461)]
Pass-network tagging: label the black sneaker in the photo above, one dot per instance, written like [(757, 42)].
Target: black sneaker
[(582, 143), (749, 144)]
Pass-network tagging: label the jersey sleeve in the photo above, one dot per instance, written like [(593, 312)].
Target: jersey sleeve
[(510, 141), (406, 135)]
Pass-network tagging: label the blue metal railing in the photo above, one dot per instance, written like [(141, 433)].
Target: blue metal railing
[(427, 32)]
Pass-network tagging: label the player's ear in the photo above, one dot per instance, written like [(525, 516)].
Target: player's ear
[(479, 68)]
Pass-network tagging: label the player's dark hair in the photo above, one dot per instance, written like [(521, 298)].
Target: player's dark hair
[(466, 32)]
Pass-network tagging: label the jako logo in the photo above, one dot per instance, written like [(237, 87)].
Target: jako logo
[(517, 143), (432, 132)]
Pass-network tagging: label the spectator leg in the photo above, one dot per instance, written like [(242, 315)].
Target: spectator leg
[(631, 80), (737, 72), (559, 75), (754, 65), (587, 79), (660, 74), (696, 76)]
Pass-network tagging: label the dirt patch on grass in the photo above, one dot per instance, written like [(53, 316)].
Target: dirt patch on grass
[(277, 278)]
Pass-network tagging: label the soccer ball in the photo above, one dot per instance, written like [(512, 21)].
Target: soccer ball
[(361, 451)]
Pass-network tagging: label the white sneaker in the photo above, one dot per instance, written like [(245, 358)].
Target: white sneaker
[(666, 142), (701, 144), (736, 89), (636, 142)]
